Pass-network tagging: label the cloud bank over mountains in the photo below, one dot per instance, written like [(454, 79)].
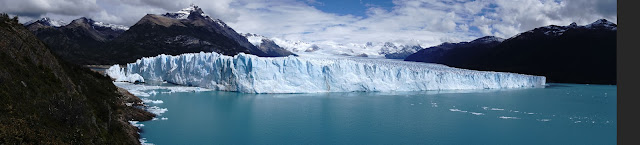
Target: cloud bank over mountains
[(426, 22)]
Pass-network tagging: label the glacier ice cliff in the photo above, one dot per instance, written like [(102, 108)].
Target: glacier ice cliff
[(120, 76), (252, 74)]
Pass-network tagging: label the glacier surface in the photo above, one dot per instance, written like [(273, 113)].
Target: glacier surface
[(252, 74)]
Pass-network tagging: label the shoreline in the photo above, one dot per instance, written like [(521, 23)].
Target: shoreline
[(133, 111), (133, 106)]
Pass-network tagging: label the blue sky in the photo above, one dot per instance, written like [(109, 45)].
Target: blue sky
[(426, 22), (350, 7)]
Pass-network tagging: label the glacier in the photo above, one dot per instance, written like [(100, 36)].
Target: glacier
[(120, 76), (252, 74)]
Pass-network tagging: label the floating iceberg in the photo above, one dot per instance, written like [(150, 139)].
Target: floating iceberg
[(252, 74)]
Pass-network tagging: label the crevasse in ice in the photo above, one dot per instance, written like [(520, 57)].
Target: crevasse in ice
[(252, 74)]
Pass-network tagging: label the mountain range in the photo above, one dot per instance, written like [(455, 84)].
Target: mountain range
[(85, 41), (79, 41), (390, 50), (564, 54)]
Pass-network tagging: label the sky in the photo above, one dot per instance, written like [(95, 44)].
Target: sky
[(426, 22)]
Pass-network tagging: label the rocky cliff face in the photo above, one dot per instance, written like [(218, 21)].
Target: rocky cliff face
[(44, 100)]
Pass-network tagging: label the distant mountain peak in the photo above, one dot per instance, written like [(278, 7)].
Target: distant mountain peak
[(602, 23), (47, 22), (112, 26), (97, 24), (186, 12), (487, 39), (573, 25), (193, 12), (554, 30)]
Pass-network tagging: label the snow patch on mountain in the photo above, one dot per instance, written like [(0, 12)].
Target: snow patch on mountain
[(603, 23), (488, 39), (48, 22), (184, 13), (111, 26), (394, 50), (251, 74), (293, 46), (554, 30)]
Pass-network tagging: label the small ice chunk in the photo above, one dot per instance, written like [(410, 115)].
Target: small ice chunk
[(544, 120), (157, 110), (476, 113), (145, 100), (507, 117), (135, 123)]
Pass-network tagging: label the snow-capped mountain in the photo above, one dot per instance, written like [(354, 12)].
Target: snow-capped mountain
[(189, 30), (488, 39), (602, 23), (566, 54), (78, 41), (391, 50), (194, 10), (554, 30), (293, 46), (184, 13), (115, 27), (47, 22)]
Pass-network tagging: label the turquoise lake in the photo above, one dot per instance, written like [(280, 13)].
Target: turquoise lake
[(557, 114)]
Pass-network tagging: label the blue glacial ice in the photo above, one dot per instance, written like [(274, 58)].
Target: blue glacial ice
[(252, 74)]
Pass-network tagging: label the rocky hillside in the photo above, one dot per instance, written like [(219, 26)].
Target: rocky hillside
[(456, 54), (78, 42), (190, 30), (44, 100), (564, 54), (187, 31)]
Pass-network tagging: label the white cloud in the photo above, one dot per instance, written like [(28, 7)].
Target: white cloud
[(484, 29), (36, 8), (464, 27), (428, 21), (515, 16)]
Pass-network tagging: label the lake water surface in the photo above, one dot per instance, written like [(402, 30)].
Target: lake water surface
[(557, 114)]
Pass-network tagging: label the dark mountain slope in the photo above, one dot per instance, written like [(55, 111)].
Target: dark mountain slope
[(190, 30), (272, 49), (78, 42), (186, 31), (44, 100), (456, 54), (564, 54)]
